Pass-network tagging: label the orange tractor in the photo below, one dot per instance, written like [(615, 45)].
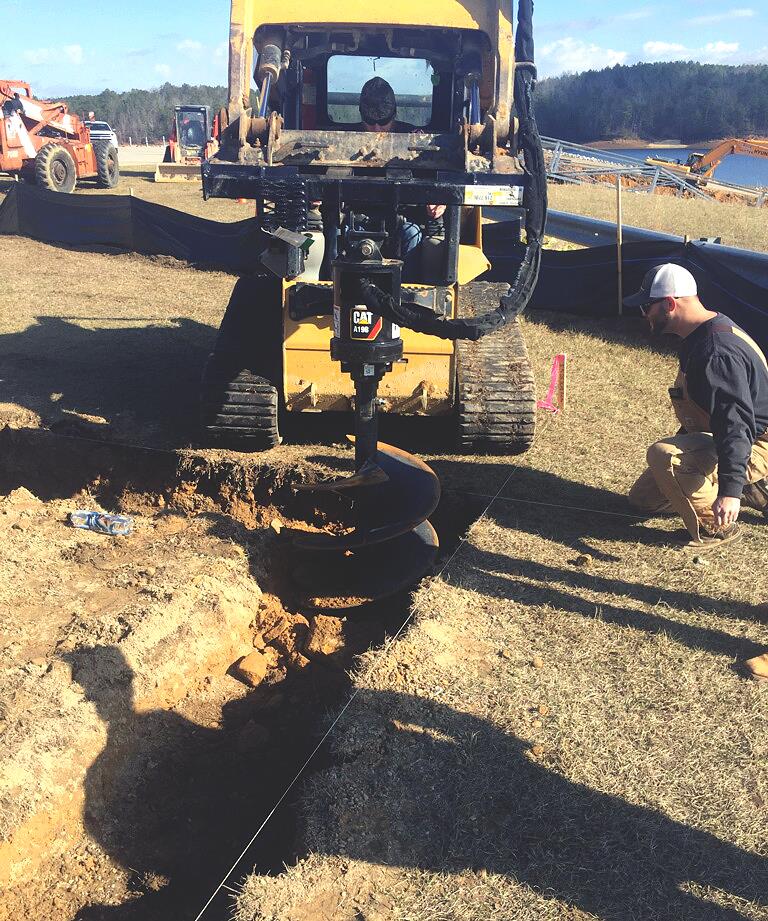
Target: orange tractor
[(42, 142), (703, 165)]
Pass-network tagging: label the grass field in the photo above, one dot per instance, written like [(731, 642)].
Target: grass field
[(736, 224)]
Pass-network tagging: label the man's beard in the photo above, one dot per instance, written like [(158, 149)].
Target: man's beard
[(660, 323)]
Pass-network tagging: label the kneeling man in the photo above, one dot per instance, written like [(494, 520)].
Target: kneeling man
[(719, 458)]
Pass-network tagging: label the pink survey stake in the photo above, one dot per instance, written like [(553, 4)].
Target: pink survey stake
[(554, 401)]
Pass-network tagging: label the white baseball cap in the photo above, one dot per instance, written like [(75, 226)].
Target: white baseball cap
[(668, 280)]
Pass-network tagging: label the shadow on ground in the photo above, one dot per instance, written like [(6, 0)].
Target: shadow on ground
[(174, 802), (539, 585), (142, 380), (466, 795)]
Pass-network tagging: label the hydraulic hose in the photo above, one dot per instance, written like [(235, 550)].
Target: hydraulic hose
[(513, 303)]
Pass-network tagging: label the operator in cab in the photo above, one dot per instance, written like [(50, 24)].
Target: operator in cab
[(378, 112), (13, 106), (718, 460)]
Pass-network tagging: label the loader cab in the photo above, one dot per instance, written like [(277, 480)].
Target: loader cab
[(436, 76), (307, 85), (192, 128), (292, 132)]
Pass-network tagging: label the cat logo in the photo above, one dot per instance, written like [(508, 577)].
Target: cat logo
[(364, 324)]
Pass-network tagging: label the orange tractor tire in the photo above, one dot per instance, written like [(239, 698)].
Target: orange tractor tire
[(107, 166), (55, 169)]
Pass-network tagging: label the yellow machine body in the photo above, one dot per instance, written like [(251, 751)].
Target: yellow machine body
[(424, 382), (421, 384)]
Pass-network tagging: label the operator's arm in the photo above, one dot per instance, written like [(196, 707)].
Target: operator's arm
[(721, 386)]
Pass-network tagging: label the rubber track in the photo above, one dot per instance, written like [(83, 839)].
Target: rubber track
[(496, 399), (244, 408)]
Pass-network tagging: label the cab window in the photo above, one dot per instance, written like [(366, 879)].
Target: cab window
[(412, 80)]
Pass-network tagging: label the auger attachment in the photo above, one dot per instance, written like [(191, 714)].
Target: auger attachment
[(390, 545)]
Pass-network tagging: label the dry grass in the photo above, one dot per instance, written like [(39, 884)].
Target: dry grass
[(108, 336), (737, 224), (554, 740), (184, 196)]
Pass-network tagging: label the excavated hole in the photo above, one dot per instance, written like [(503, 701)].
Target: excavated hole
[(195, 780)]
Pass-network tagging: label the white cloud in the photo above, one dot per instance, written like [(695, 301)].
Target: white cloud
[(570, 55), (711, 53), (741, 13), (714, 52), (721, 47), (189, 45), (68, 54), (73, 53), (163, 69), (37, 55), (221, 50), (659, 49)]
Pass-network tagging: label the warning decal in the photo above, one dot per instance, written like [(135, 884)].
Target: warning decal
[(492, 195), (364, 324)]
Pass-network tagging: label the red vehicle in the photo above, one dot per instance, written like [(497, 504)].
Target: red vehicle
[(43, 142)]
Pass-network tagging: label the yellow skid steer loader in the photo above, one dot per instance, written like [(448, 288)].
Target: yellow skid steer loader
[(190, 143), (378, 134)]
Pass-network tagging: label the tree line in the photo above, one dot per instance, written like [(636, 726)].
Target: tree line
[(139, 114), (681, 100)]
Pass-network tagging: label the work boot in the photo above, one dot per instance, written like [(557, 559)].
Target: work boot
[(715, 539), (755, 496), (758, 667)]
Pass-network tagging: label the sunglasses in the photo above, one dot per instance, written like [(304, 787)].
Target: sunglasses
[(378, 124), (645, 309)]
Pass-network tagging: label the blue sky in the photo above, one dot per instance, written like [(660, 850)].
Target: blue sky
[(87, 45), (592, 34)]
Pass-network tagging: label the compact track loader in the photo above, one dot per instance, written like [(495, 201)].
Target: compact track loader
[(191, 141), (343, 312)]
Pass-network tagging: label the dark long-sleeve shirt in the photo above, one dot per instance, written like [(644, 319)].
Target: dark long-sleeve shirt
[(727, 376)]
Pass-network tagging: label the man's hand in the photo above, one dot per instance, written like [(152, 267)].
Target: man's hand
[(726, 510), (435, 211)]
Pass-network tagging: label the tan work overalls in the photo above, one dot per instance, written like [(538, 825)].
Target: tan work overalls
[(682, 469)]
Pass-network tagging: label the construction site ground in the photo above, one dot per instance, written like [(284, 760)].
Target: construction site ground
[(561, 732)]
